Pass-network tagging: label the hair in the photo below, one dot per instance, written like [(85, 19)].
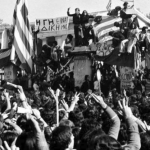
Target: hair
[(77, 9), (76, 132), (85, 138), (111, 33), (126, 3), (55, 42), (89, 125), (117, 24), (9, 137), (145, 141), (103, 142), (86, 77), (27, 141), (66, 123), (76, 117), (118, 8), (70, 37), (22, 122), (84, 11), (61, 138)]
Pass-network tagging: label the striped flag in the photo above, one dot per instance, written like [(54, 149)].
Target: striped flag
[(108, 7), (23, 43)]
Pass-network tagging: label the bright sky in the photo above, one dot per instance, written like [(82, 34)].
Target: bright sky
[(57, 8)]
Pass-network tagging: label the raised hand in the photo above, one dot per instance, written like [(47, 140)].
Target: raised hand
[(6, 94), (147, 126), (76, 97), (8, 121), (124, 92), (57, 93), (99, 100), (52, 92), (125, 109), (36, 113), (21, 93)]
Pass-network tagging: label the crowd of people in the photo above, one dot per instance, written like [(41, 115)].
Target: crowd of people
[(129, 37), (83, 30), (41, 114), (60, 116)]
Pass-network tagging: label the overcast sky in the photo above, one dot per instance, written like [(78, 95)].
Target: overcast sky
[(57, 8)]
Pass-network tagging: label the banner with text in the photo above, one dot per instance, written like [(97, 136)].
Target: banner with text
[(52, 25), (126, 77)]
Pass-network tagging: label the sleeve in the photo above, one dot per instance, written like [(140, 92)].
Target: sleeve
[(134, 136), (68, 13), (115, 127)]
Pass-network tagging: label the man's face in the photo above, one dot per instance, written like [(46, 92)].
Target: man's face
[(139, 96), (77, 11)]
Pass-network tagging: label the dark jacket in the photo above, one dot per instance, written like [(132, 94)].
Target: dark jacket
[(76, 18), (120, 37), (123, 15), (85, 18), (86, 86)]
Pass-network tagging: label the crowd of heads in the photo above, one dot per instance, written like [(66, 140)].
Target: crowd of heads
[(89, 118), (58, 115)]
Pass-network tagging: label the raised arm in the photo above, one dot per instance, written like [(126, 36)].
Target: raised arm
[(132, 127), (68, 13), (115, 127), (23, 98), (74, 102), (15, 126)]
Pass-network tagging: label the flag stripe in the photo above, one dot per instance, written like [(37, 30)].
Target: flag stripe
[(24, 12), (23, 36), (23, 25), (22, 45), (21, 57), (21, 48)]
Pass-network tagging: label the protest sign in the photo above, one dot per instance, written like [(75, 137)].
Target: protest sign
[(52, 24), (126, 74)]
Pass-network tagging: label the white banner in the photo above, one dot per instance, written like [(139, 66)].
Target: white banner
[(52, 24)]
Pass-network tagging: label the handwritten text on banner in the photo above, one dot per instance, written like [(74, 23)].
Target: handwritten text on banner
[(53, 24)]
